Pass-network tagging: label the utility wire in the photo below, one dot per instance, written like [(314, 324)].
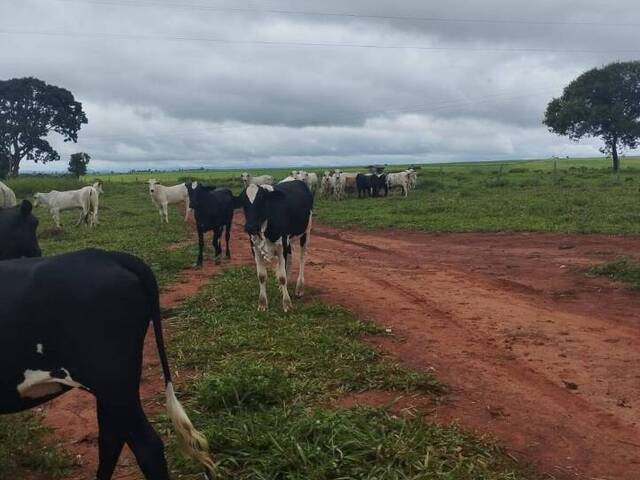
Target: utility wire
[(226, 41), (314, 13)]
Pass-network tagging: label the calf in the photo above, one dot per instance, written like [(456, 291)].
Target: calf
[(274, 216), (78, 321), (162, 197), (248, 179), (399, 180), (57, 202), (18, 229), (364, 183), (7, 197), (213, 210)]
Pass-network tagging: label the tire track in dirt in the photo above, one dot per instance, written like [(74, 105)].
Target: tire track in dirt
[(505, 321)]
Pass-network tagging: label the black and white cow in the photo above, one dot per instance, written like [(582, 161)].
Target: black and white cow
[(79, 321), (18, 229), (274, 216), (213, 210)]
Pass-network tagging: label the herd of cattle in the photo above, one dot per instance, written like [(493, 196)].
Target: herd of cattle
[(79, 320)]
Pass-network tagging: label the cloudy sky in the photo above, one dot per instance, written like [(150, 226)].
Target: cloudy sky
[(189, 83)]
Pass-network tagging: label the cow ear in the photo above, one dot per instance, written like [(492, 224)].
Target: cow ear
[(274, 194), (25, 208)]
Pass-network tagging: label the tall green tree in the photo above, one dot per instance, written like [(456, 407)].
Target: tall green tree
[(30, 109), (603, 102), (78, 164)]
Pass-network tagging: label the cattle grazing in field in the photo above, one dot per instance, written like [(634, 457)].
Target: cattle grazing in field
[(399, 180), (213, 210), (309, 178), (7, 197), (248, 179), (18, 229), (364, 183), (274, 216), (57, 202), (162, 197), (379, 185), (57, 334)]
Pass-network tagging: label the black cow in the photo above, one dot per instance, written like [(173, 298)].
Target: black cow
[(78, 321), (379, 185), (273, 216), (364, 185), (213, 210), (18, 232)]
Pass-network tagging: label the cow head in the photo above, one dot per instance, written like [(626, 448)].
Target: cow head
[(254, 200), (98, 187), (18, 229), (152, 184), (196, 192)]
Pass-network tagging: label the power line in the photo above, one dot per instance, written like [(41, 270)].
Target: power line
[(353, 15), (437, 107), (226, 41)]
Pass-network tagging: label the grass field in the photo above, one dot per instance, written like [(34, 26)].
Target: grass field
[(263, 384), (266, 382)]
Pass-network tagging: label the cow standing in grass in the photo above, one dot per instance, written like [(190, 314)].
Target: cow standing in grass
[(274, 217), (57, 202), (162, 197), (213, 210), (79, 321), (399, 180), (7, 197)]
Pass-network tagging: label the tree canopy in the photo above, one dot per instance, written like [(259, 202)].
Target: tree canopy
[(603, 102), (29, 110), (78, 164)]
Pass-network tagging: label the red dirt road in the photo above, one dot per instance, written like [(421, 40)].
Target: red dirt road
[(537, 354)]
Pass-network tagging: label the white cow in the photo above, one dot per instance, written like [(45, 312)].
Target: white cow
[(327, 184), (248, 179), (345, 183), (162, 197), (57, 201), (310, 179), (7, 197), (399, 180), (413, 178)]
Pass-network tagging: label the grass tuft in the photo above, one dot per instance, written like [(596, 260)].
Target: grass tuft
[(621, 269)]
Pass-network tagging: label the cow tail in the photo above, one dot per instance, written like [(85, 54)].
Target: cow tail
[(191, 441)]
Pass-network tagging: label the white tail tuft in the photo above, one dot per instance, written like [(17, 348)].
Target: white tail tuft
[(192, 442)]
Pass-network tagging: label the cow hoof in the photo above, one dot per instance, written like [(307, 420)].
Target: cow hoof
[(218, 260), (197, 265), (299, 293), (287, 306), (262, 308)]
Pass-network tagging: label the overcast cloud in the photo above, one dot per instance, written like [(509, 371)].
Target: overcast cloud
[(154, 101)]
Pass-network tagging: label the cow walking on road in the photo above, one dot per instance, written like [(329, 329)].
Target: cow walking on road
[(58, 334), (274, 217), (213, 210)]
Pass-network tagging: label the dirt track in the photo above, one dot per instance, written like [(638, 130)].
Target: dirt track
[(537, 354)]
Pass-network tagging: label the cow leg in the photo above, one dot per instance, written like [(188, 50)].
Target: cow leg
[(227, 238), (304, 243), (200, 248), (55, 213), (282, 278), (110, 442), (261, 270), (287, 256), (186, 207), (161, 212), (217, 249), (165, 209)]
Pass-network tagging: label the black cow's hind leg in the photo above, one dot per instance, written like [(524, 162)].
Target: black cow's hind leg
[(110, 442), (227, 238), (145, 444), (217, 249), (200, 247)]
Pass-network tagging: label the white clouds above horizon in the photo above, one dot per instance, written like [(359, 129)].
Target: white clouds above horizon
[(159, 103)]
